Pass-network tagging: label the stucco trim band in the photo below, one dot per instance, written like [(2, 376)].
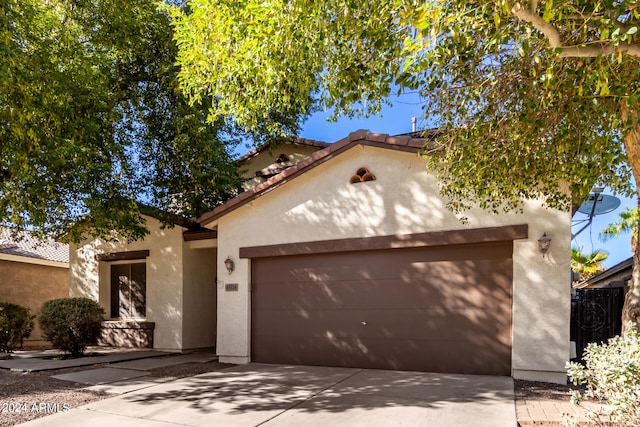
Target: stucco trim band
[(433, 238), (122, 256)]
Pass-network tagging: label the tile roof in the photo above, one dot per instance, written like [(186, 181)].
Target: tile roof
[(24, 244), (170, 218), (428, 134), (362, 137), (627, 264), (294, 141)]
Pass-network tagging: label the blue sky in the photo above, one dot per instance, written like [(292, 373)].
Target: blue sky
[(618, 249), (396, 119), (393, 120)]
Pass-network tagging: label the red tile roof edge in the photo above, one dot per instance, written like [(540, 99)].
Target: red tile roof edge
[(360, 137)]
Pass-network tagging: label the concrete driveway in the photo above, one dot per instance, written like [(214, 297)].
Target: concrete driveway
[(280, 395)]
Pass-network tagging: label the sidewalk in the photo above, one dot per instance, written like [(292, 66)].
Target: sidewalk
[(126, 377), (33, 361)]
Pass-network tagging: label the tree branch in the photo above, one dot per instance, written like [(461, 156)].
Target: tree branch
[(549, 31), (553, 36), (585, 16), (594, 51)]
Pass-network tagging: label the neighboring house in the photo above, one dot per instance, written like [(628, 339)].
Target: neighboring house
[(617, 276), (32, 271), (160, 292), (350, 257)]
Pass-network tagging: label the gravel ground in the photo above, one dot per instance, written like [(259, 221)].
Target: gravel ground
[(534, 390), (25, 396)]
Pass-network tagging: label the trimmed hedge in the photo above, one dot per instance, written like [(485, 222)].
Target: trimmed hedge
[(71, 324), (16, 324)]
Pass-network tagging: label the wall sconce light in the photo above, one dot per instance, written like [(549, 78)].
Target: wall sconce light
[(543, 244), (229, 264)]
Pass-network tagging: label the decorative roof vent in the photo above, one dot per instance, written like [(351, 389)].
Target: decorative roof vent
[(362, 175)]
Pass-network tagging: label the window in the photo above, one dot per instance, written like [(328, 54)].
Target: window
[(128, 290)]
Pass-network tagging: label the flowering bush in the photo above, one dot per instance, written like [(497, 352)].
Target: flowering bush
[(611, 373)]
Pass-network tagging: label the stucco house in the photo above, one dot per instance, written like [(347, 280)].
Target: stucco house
[(32, 271), (349, 257), (156, 292), (160, 291)]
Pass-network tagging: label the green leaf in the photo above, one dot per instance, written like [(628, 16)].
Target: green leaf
[(519, 120), (97, 121)]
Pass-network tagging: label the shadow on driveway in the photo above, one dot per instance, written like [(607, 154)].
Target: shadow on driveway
[(283, 395), (257, 393)]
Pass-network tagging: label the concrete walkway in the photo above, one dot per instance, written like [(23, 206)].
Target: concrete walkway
[(280, 395), (125, 377), (33, 361)]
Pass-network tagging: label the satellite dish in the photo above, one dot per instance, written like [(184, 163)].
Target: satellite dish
[(603, 204), (596, 204)]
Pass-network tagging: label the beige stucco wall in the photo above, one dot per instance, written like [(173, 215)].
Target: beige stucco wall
[(30, 285), (199, 322), (164, 278), (322, 205)]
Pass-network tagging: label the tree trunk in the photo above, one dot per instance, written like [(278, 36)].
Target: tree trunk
[(631, 308)]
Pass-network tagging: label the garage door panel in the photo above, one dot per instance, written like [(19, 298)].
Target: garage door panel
[(446, 280), (408, 355), (463, 324), (373, 264), (359, 300), (411, 309)]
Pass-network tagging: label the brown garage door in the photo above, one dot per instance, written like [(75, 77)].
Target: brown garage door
[(438, 309)]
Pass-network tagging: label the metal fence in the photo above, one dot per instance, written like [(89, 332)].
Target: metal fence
[(596, 316)]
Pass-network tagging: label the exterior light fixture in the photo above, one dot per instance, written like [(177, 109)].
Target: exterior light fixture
[(543, 244), (229, 264)]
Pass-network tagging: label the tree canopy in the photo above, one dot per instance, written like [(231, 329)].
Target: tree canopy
[(533, 98), (268, 64), (627, 223), (587, 265), (92, 120), (528, 95)]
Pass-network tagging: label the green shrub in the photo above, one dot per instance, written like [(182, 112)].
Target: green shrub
[(16, 324), (611, 373), (71, 324)]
